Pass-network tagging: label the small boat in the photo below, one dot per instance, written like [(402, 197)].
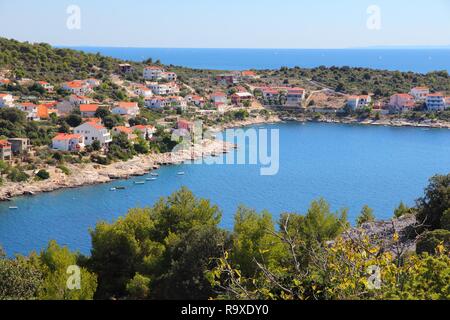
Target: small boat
[(120, 188), (113, 189), (154, 174), (150, 179), (13, 208), (139, 182), (181, 173)]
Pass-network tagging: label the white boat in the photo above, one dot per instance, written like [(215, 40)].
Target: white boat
[(112, 189), (150, 179), (13, 208), (181, 173), (154, 174), (139, 182)]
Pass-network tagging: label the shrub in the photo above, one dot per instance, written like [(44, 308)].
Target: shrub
[(429, 241), (42, 174), (365, 216), (17, 175), (64, 169)]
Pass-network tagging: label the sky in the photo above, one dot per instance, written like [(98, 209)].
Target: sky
[(228, 23)]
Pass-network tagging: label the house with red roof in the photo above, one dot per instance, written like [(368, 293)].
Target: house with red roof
[(47, 86), (144, 131), (68, 142), (5, 150), (420, 93), (78, 87), (196, 100), (240, 97), (219, 97), (88, 110), (125, 130), (123, 108), (401, 102), (358, 101), (93, 131), (6, 100), (295, 97), (249, 75)]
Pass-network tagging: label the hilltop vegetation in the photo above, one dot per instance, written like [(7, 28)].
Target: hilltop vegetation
[(40, 61), (382, 83), (176, 250)]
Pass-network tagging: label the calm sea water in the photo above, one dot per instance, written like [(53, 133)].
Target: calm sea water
[(348, 165), (418, 60)]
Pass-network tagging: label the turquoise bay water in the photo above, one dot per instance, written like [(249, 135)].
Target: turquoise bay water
[(418, 60), (348, 165)]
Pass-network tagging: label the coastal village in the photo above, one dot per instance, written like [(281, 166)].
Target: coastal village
[(140, 120)]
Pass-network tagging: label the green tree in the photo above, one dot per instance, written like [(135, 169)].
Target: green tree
[(402, 210), (254, 239), (365, 216), (20, 279), (436, 200), (55, 261)]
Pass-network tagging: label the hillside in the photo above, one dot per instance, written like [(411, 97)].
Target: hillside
[(41, 61)]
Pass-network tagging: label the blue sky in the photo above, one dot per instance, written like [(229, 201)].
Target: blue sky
[(229, 23)]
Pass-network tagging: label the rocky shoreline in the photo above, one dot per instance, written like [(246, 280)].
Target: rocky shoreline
[(380, 122), (90, 174)]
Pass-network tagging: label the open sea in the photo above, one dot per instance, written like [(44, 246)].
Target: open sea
[(416, 60)]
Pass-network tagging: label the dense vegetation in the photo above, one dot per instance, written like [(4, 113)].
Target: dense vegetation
[(382, 83), (40, 61), (176, 250)]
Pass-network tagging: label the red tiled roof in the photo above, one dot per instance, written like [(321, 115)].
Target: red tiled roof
[(88, 107), (66, 136), (127, 105)]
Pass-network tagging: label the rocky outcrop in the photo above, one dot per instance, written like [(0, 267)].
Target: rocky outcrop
[(384, 234)]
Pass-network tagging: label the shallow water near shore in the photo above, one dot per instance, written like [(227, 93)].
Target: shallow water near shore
[(348, 165)]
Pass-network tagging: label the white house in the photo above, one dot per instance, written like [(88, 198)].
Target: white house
[(170, 76), (153, 73), (77, 100), (436, 102), (198, 101), (357, 102), (295, 97), (77, 87), (124, 108), (92, 131), (47, 86), (30, 109), (219, 98), (177, 102), (92, 82), (143, 91), (145, 131), (6, 100), (164, 88), (156, 102), (419, 93), (68, 142)]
